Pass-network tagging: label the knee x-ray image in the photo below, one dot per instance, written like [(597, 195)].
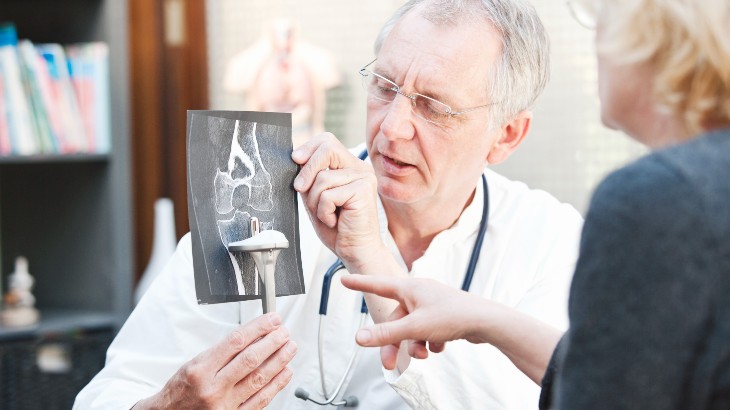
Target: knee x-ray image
[(239, 167)]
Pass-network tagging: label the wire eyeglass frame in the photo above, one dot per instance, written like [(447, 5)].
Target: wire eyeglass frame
[(424, 107)]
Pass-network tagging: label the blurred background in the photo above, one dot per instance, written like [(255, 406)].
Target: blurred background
[(566, 153), (86, 219)]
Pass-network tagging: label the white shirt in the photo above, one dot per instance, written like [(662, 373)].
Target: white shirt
[(527, 261)]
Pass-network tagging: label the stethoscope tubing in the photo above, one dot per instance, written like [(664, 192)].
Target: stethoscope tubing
[(350, 363)]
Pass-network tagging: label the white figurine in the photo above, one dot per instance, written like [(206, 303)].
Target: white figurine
[(19, 301)]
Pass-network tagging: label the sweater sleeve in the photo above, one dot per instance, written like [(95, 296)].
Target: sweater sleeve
[(639, 303), (546, 394)]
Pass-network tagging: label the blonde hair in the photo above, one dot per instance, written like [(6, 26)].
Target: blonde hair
[(686, 44)]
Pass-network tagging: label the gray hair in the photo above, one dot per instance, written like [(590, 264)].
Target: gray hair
[(524, 67)]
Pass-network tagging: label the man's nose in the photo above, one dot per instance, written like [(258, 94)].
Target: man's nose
[(398, 121)]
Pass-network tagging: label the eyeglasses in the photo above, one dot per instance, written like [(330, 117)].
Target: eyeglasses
[(584, 12), (425, 107)]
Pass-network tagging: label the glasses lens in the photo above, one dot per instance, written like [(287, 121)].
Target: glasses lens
[(424, 107), (378, 87), (432, 110), (584, 12)]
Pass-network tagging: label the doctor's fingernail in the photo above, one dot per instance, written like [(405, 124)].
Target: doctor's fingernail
[(363, 336), (275, 319), (298, 183), (291, 347)]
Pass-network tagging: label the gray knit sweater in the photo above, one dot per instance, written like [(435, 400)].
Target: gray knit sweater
[(650, 301)]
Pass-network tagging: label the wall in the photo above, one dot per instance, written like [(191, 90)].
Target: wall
[(347, 28)]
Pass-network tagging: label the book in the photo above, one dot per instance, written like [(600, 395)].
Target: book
[(64, 99), (5, 148), (32, 67), (89, 72), (19, 120)]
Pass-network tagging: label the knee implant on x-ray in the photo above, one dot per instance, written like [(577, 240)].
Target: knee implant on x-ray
[(244, 185)]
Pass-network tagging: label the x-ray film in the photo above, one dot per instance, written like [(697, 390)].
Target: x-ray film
[(239, 167)]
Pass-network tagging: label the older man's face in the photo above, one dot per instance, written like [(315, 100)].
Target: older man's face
[(417, 161)]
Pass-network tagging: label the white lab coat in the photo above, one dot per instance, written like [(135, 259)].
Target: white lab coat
[(527, 261)]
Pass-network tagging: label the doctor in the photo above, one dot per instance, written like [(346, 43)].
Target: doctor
[(449, 92)]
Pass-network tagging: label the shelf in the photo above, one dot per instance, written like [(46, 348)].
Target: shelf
[(53, 21), (70, 216), (53, 158), (60, 322)]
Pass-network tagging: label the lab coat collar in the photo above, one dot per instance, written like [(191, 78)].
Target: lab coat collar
[(465, 226)]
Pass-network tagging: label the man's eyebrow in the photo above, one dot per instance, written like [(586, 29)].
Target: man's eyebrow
[(387, 74), (440, 96), (382, 71), (429, 93)]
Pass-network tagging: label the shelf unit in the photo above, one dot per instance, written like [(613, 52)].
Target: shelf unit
[(71, 215)]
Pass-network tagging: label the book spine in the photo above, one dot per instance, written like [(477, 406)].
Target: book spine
[(102, 97), (65, 98), (20, 123), (5, 148), (29, 70)]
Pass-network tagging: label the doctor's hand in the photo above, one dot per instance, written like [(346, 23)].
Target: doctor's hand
[(340, 194), (243, 371)]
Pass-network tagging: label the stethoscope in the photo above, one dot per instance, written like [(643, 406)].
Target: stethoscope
[(352, 401)]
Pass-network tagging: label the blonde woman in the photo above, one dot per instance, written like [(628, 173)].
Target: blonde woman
[(649, 306)]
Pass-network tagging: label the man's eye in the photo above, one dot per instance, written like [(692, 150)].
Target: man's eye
[(383, 89), (435, 110), (384, 85)]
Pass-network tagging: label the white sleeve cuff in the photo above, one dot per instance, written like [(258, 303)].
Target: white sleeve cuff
[(410, 386)]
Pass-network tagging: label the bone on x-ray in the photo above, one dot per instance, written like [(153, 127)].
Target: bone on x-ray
[(240, 169)]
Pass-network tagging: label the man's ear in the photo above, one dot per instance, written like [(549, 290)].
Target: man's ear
[(511, 136)]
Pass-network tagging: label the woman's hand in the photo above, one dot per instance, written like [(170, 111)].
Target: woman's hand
[(436, 313)]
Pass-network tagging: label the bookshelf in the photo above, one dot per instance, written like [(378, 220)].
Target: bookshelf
[(70, 215)]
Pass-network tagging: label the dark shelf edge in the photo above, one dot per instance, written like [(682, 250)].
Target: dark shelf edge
[(59, 322), (53, 158)]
